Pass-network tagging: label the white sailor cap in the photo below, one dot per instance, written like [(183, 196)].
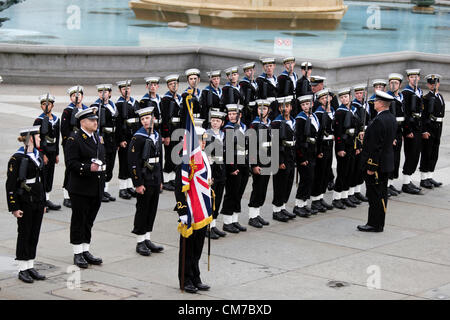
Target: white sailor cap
[(359, 87), (411, 72), (191, 72), (172, 77), (198, 122), (30, 130), (289, 59), (74, 89), (306, 65), (268, 61), (123, 83), (344, 91), (233, 107), (106, 87), (321, 93), (217, 114), (1, 79), (433, 78), (315, 80), (286, 99), (152, 80), (377, 82), (249, 65), (305, 98), (215, 73), (395, 76), (200, 131), (145, 111), (231, 70), (89, 113), (43, 98), (381, 95)]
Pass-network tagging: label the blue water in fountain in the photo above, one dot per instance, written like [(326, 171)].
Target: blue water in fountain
[(367, 28)]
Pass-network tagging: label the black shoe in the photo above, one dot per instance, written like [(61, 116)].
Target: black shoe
[(67, 203), (316, 205), (330, 186), (393, 188), (211, 234), (190, 288), (361, 197), (110, 197), (326, 205), (105, 198), (279, 216), (338, 204), (434, 182), (51, 206), (288, 214), (254, 222), (238, 226), (142, 249), (392, 191), (367, 228), (262, 221), (407, 188), (426, 184), (302, 212), (218, 232), (79, 261), (123, 193), (354, 199), (412, 185), (311, 210), (35, 275), (348, 203), (25, 276), (168, 186), (153, 247), (230, 228), (91, 259), (132, 192), (202, 287)]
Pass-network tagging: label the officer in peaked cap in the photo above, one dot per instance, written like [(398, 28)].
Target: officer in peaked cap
[(378, 85)]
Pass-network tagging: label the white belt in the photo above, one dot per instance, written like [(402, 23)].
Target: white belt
[(50, 140), (157, 121), (438, 119), (351, 131), (153, 160), (267, 144), (416, 115), (252, 103), (365, 127), (102, 168), (400, 119), (329, 137), (289, 143), (175, 120), (109, 129), (216, 159), (311, 140), (132, 120), (31, 181), (242, 152), (196, 115)]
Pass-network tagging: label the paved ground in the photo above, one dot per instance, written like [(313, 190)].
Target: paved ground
[(301, 259)]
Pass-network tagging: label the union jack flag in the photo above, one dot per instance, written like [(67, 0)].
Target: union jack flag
[(195, 182)]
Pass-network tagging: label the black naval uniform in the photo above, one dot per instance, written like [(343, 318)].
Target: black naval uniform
[(378, 156), (283, 180), (147, 101), (268, 89), (26, 193), (249, 94), (287, 86), (146, 170), (303, 87), (432, 117), (49, 148), (397, 110), (195, 102), (211, 100), (230, 95)]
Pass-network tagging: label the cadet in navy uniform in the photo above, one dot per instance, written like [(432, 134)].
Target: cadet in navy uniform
[(397, 109), (236, 168), (324, 160), (412, 129), (249, 92), (170, 121), (303, 86), (126, 125), (70, 125), (152, 98), (378, 159), (378, 85), (49, 146), (432, 117), (26, 200), (283, 180), (107, 127), (231, 93), (193, 80), (85, 161), (344, 125), (287, 83), (268, 86), (261, 125), (307, 127), (145, 166), (211, 97), (215, 137)]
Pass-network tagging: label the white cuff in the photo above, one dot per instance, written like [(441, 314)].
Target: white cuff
[(23, 265), (406, 179), (253, 212), (123, 184), (140, 238), (227, 219), (77, 248), (235, 217), (147, 236), (30, 264), (337, 195)]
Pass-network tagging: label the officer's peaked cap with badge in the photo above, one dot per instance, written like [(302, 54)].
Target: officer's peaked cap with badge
[(306, 65), (315, 80), (433, 78), (89, 113), (383, 96)]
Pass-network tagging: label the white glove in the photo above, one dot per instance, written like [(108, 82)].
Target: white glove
[(184, 219)]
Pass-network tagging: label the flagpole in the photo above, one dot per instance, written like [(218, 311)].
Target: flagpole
[(209, 243), (183, 262)]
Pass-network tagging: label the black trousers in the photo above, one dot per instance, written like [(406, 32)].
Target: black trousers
[(377, 195), (193, 252), (234, 189), (66, 173), (306, 180), (321, 175), (357, 173), (146, 207), (28, 230), (397, 153), (259, 190), (218, 187), (84, 212), (49, 172), (344, 164), (124, 174), (430, 153), (412, 149), (110, 159), (169, 166), (282, 183)]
